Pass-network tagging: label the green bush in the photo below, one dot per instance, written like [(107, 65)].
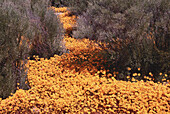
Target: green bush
[(131, 21), (26, 28)]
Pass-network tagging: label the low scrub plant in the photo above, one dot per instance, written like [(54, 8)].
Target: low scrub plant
[(27, 27), (76, 6), (135, 31)]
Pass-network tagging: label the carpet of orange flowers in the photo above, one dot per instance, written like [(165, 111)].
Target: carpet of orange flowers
[(71, 84)]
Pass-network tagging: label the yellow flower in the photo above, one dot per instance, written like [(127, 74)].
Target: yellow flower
[(128, 77), (134, 74), (133, 79), (128, 68)]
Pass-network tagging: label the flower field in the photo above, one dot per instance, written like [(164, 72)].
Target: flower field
[(73, 83)]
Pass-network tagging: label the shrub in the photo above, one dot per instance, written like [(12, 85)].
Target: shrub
[(26, 28), (57, 3), (76, 6), (131, 21), (49, 32)]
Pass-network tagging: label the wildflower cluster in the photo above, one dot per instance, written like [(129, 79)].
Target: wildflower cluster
[(77, 83), (59, 90), (68, 21), (59, 10)]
